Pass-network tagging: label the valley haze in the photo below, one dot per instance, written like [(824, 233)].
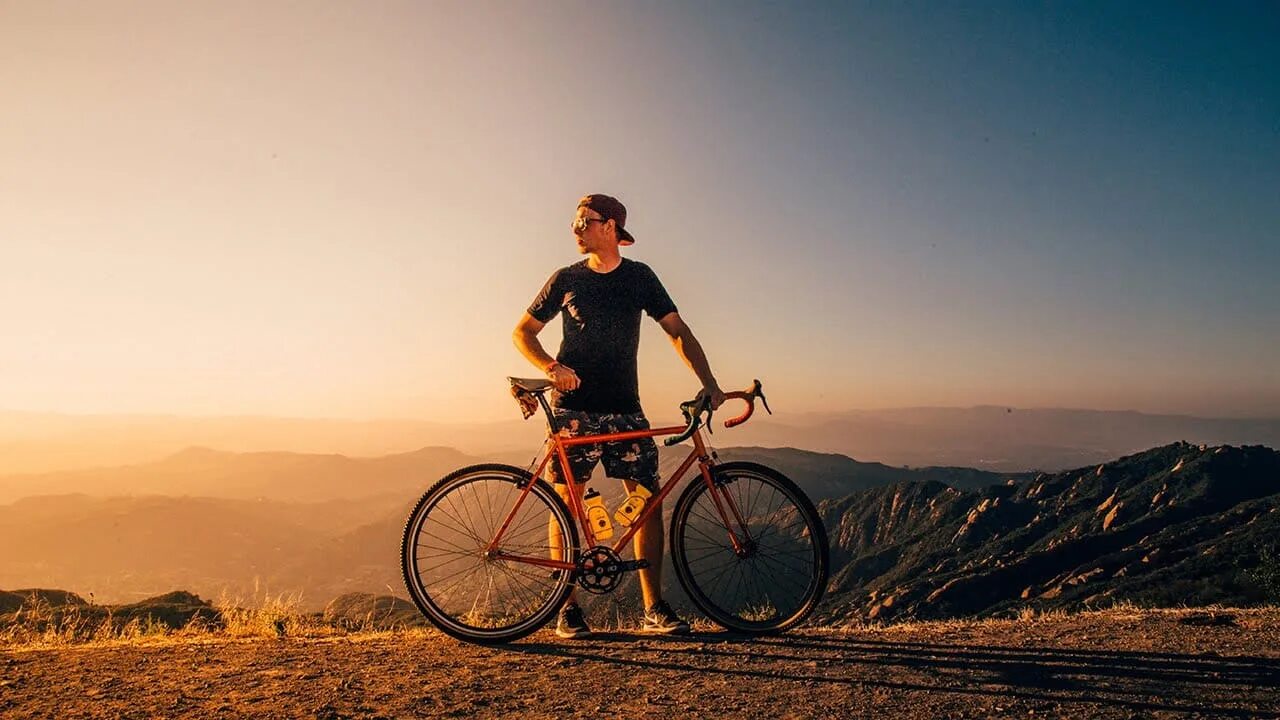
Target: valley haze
[(989, 437)]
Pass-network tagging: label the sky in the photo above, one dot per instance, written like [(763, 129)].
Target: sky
[(327, 209)]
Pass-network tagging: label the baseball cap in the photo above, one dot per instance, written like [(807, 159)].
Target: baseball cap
[(609, 209)]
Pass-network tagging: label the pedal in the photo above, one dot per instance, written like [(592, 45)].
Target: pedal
[(629, 565)]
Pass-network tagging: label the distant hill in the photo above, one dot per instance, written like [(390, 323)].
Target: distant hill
[(286, 476), (990, 438), (997, 438), (125, 548), (831, 475), (48, 442), (1178, 524)]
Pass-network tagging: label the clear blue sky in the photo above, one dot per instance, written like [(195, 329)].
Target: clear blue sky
[(337, 210)]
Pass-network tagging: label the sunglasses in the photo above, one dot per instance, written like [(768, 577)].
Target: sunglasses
[(580, 224)]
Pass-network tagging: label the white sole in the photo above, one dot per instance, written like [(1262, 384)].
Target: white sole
[(665, 631)]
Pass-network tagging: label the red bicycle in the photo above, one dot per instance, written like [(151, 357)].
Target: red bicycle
[(491, 552)]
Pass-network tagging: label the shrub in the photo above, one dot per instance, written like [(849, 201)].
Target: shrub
[(1267, 573)]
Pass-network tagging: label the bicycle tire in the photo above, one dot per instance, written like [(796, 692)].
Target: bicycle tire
[(453, 521), (777, 585)]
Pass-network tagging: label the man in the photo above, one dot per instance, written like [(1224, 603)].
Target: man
[(595, 377)]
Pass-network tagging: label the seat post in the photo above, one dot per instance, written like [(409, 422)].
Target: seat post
[(551, 418)]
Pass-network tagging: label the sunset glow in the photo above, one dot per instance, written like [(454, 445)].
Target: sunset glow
[(338, 210)]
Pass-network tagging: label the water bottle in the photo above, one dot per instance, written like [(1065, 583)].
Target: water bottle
[(597, 515), (632, 506)]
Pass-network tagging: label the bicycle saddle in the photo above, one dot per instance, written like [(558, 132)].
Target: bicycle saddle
[(533, 385)]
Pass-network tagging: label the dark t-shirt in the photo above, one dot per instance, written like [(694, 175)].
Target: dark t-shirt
[(602, 330)]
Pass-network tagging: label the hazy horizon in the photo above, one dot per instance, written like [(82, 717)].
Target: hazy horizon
[(990, 437), (340, 211), (659, 413)]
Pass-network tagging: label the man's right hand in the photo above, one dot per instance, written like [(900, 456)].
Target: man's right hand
[(563, 376)]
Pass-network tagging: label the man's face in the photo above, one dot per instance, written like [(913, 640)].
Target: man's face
[(591, 231)]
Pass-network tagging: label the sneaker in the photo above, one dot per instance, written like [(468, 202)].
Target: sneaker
[(572, 624), (663, 620)]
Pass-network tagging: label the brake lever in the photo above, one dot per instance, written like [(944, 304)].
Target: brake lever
[(701, 405), (692, 411)]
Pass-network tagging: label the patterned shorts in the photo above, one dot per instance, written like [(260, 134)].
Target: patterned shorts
[(634, 460)]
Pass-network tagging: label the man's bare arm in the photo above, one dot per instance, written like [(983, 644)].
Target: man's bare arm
[(525, 337), (690, 350)]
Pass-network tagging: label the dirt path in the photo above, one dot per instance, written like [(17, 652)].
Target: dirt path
[(1093, 665)]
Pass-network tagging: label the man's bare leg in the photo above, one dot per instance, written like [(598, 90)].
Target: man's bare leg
[(649, 546), (649, 543), (554, 531)]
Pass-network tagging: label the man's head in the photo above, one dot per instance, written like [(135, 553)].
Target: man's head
[(600, 219)]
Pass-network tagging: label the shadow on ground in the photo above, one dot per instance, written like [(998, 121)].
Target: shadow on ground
[(1138, 682)]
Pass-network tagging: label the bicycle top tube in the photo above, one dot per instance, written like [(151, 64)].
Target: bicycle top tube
[(531, 392)]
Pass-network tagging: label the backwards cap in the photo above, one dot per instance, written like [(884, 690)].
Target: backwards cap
[(609, 209)]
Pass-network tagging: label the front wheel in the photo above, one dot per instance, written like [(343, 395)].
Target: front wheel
[(776, 575), (462, 586)]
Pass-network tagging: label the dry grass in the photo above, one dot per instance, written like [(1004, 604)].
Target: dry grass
[(281, 615), (1121, 611), (270, 616), (40, 626)]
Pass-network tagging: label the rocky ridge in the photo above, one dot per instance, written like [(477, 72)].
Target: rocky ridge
[(1175, 525)]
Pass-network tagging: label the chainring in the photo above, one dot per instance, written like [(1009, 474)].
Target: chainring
[(600, 570)]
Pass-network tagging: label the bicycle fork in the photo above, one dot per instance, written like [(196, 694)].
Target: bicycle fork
[(741, 546)]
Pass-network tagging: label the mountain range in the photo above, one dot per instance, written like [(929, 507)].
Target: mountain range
[(1176, 524), (285, 476), (322, 525), (990, 438)]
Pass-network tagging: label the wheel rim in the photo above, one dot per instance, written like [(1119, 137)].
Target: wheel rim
[(470, 591), (774, 578)]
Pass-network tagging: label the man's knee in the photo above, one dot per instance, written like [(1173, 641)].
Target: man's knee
[(651, 486), (562, 489)]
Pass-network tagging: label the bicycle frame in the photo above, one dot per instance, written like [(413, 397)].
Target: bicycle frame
[(557, 444)]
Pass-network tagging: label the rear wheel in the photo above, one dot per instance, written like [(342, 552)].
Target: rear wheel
[(472, 594), (777, 575)]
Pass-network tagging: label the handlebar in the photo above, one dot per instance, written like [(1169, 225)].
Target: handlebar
[(693, 410)]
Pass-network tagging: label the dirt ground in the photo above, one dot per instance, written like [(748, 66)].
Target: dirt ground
[(1113, 664)]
